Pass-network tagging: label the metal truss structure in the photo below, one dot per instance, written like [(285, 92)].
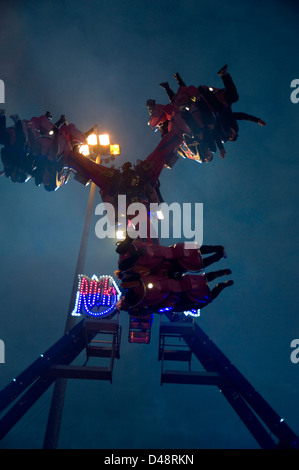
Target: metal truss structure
[(179, 341)]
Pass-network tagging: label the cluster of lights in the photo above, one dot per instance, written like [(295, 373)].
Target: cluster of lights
[(102, 140), (96, 296)]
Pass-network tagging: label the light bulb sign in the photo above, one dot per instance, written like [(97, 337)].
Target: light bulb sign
[(95, 296)]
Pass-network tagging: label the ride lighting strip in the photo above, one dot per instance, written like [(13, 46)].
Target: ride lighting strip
[(96, 296), (193, 313)]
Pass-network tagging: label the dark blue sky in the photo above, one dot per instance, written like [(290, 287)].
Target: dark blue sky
[(99, 61)]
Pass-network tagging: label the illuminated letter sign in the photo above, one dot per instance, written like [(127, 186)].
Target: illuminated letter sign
[(96, 296)]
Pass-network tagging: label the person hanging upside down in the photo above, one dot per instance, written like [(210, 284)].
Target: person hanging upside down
[(221, 100), (33, 148), (154, 278), (190, 123), (215, 106), (145, 257), (148, 293), (17, 164)]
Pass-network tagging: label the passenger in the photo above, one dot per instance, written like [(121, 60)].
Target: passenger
[(153, 293), (190, 110), (12, 137), (147, 256), (154, 276), (17, 164), (220, 101)]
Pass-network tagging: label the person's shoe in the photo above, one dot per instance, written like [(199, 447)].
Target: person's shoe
[(224, 255), (227, 272), (261, 122), (222, 153), (164, 84), (62, 120), (49, 115), (229, 283), (178, 79), (222, 71), (221, 250)]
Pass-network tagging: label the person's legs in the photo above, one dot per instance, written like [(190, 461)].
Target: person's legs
[(232, 95), (219, 288), (218, 251), (222, 272), (169, 91), (179, 79)]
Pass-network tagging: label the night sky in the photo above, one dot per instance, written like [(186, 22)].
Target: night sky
[(98, 62)]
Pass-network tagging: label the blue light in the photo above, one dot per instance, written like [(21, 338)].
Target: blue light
[(165, 309)]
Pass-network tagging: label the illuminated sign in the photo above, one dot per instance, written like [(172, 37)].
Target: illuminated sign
[(96, 296)]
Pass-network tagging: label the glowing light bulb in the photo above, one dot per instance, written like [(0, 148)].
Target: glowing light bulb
[(92, 139), (114, 149), (84, 150), (120, 235), (150, 285), (104, 139)]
